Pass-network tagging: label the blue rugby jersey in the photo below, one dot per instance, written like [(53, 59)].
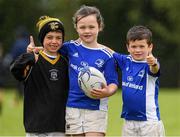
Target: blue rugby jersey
[(79, 57), (139, 89)]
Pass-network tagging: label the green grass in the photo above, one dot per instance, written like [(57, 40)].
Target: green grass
[(11, 120), (169, 102)]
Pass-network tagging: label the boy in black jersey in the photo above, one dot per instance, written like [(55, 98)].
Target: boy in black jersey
[(45, 77)]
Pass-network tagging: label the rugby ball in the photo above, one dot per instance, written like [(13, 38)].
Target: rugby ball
[(90, 78)]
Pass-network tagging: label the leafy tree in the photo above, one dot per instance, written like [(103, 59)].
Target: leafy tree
[(15, 13), (161, 16)]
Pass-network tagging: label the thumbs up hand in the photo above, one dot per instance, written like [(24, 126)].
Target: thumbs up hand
[(31, 45), (32, 48), (151, 60)]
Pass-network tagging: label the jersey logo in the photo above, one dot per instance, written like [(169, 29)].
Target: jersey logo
[(53, 74), (76, 55), (130, 78), (84, 64), (99, 62), (141, 73)]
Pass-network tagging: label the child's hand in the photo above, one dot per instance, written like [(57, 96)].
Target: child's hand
[(100, 93), (151, 60), (31, 45), (105, 91), (32, 48)]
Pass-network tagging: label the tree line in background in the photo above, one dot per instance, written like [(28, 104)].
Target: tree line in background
[(161, 16)]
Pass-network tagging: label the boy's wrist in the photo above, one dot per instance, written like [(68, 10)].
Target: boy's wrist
[(155, 63)]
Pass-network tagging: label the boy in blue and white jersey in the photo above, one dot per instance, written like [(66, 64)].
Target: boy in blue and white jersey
[(140, 85)]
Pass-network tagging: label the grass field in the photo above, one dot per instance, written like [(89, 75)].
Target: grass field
[(11, 120), (169, 101)]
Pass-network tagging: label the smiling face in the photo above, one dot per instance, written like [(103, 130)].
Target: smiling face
[(88, 29), (139, 42), (52, 42), (139, 49)]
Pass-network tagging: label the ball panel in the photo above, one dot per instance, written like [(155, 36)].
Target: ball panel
[(90, 78)]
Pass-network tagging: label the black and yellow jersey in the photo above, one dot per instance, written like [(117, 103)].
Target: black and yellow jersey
[(45, 92)]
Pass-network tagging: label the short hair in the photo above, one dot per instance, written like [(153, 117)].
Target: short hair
[(86, 11), (139, 33)]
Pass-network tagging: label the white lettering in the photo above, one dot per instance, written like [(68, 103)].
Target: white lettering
[(132, 85), (75, 67)]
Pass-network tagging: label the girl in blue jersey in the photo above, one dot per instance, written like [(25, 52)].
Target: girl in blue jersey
[(86, 116), (140, 85)]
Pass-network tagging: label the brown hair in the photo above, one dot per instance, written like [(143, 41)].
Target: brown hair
[(86, 11), (139, 33)]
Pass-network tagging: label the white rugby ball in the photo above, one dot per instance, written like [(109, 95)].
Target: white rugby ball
[(90, 78)]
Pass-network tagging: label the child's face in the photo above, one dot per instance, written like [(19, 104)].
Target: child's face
[(88, 29), (52, 42), (139, 49)]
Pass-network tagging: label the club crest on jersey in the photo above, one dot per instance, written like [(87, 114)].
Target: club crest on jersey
[(99, 62), (141, 73), (84, 64), (53, 74), (130, 78)]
